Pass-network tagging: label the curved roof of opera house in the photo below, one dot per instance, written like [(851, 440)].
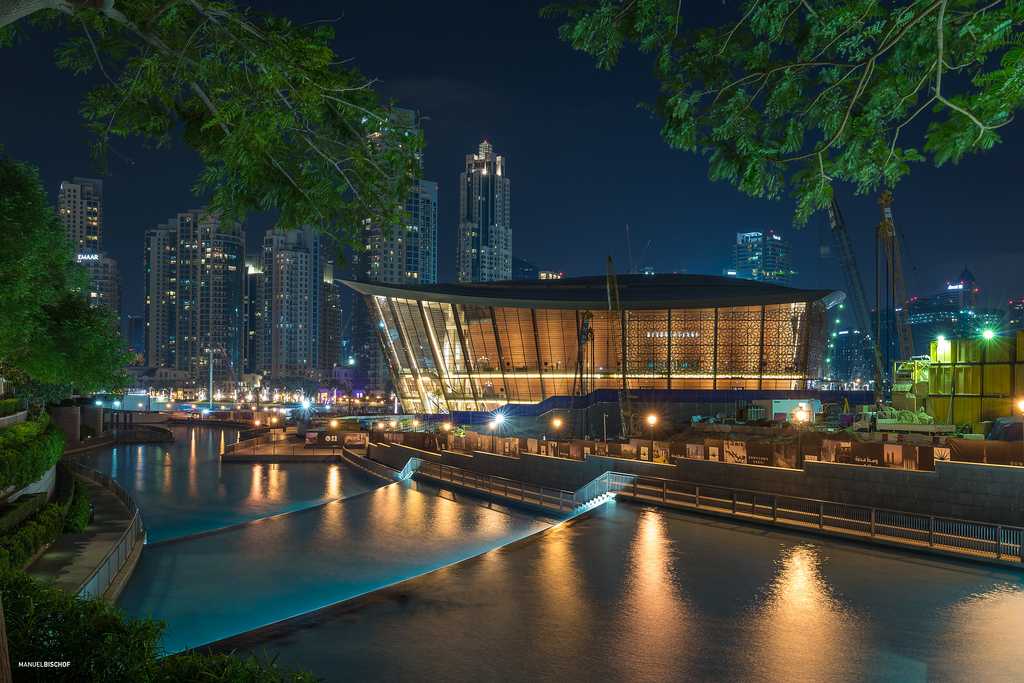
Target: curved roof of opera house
[(635, 291)]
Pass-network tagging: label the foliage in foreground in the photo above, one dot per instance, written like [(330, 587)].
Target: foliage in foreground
[(279, 121), (79, 510), (46, 624), (19, 545), (27, 450), (793, 95), (51, 341), (9, 406)]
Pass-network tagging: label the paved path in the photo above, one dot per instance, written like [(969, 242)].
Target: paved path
[(73, 557)]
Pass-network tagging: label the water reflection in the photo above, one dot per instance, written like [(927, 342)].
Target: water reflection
[(799, 630), (183, 488), (982, 633), (654, 614)]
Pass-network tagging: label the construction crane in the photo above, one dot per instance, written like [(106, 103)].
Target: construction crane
[(894, 261), (584, 353), (856, 289), (615, 306)]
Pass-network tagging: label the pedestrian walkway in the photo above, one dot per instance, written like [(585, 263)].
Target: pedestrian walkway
[(71, 560)]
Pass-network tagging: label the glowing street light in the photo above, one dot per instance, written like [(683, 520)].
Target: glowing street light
[(257, 423), (988, 334), (446, 426), (334, 424), (1020, 405), (556, 423), (652, 420)]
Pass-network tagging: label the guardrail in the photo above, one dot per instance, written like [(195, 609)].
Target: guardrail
[(944, 534), (273, 437), (101, 577), (511, 489)]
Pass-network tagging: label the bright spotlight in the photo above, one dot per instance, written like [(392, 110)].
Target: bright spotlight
[(499, 418), (652, 419), (556, 423), (987, 334)]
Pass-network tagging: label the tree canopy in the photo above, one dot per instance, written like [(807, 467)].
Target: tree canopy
[(51, 341), (279, 121), (790, 96)]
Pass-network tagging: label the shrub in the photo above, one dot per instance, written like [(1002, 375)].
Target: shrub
[(27, 539), (9, 406), (79, 511), (28, 450), (102, 644), (14, 514), (205, 667), (46, 624)]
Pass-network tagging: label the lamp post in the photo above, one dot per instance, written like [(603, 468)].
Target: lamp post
[(652, 420), (604, 421), (556, 424)]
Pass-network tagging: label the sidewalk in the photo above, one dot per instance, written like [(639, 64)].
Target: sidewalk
[(72, 558)]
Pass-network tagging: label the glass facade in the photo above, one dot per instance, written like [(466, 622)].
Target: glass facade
[(448, 356)]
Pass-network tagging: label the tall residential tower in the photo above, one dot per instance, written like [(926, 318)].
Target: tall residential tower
[(485, 218), (80, 208)]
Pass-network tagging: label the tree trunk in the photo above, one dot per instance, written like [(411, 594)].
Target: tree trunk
[(12, 10), (5, 663)]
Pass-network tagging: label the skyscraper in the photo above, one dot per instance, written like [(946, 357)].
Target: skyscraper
[(762, 256), (485, 218), (80, 208), (195, 290), (293, 272), (402, 254), (254, 361)]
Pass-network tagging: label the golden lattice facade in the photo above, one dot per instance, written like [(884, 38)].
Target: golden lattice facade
[(477, 347)]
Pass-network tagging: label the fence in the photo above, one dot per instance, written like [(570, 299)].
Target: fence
[(948, 535), (532, 494), (101, 578)]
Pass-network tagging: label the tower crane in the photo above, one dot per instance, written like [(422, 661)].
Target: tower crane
[(894, 260), (856, 287), (615, 306)]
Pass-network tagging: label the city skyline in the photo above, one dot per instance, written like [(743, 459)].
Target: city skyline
[(567, 184)]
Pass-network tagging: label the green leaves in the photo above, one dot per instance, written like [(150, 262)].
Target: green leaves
[(51, 341), (789, 97), (279, 121)]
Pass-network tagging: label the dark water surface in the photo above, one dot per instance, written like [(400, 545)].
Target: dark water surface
[(643, 594)]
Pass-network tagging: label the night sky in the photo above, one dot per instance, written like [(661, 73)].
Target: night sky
[(583, 159)]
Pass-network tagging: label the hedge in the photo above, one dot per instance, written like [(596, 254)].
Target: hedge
[(46, 624), (17, 512), (79, 510), (18, 547), (9, 406), (28, 450)]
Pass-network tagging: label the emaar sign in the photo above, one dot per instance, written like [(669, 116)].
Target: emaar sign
[(87, 257)]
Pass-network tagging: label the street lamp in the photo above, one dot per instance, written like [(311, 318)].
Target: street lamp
[(988, 334), (556, 424), (652, 420), (334, 424)]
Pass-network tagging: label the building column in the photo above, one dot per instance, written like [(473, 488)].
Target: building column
[(442, 370), (465, 354), (540, 363), (501, 356)]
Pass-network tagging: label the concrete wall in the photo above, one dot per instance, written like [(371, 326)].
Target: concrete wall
[(93, 417), (986, 493), (69, 420)]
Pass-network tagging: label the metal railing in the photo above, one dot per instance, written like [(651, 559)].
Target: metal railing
[(954, 536), (511, 489), (103, 575)]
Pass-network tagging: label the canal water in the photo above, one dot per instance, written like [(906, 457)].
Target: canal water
[(298, 536), (644, 594), (184, 489)]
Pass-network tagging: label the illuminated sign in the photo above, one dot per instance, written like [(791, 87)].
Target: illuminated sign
[(87, 257), (959, 286), (681, 334)]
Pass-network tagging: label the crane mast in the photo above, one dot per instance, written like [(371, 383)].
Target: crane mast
[(615, 306), (894, 259), (856, 288)]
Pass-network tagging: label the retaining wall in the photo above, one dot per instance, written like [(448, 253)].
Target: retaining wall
[(986, 493)]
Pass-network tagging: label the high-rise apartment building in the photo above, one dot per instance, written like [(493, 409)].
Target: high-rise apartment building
[(398, 254), (485, 218), (254, 361), (762, 256), (195, 296), (80, 208), (293, 273), (331, 293)]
